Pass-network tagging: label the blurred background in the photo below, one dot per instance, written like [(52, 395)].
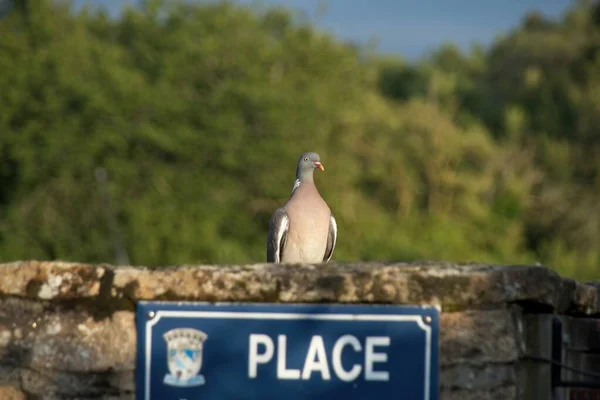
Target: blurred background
[(167, 132)]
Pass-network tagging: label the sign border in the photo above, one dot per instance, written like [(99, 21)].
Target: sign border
[(333, 312)]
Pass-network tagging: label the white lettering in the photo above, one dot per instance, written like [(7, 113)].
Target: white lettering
[(338, 368), (316, 359), (282, 371), (262, 350), (371, 357), (254, 358)]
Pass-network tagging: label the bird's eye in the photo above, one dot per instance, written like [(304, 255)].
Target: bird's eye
[(305, 158)]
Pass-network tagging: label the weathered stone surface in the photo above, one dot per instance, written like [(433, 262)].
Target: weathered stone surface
[(58, 384), (69, 343), (495, 394), (375, 283), (48, 336), (452, 286), (477, 337), (122, 396), (67, 330), (478, 377), (50, 280), (123, 381), (11, 393), (9, 376), (72, 341), (580, 298), (595, 285)]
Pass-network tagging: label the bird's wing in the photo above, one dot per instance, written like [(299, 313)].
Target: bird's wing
[(278, 230), (331, 239)]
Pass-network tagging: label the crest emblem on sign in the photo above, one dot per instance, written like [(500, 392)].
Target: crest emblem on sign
[(184, 357)]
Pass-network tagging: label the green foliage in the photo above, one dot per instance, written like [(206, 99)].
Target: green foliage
[(169, 135)]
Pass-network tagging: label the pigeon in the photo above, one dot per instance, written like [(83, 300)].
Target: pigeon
[(303, 230)]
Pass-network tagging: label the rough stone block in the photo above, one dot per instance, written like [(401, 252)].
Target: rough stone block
[(123, 381), (67, 329), (59, 384), (69, 342), (50, 280), (583, 299), (9, 376), (506, 393), (453, 286), (477, 337), (478, 377), (54, 337), (11, 393)]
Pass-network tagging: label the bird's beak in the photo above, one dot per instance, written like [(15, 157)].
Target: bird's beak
[(319, 165)]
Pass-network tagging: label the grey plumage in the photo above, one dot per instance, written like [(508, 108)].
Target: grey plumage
[(303, 230)]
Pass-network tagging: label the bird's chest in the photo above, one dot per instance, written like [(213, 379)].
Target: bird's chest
[(307, 235), (310, 221)]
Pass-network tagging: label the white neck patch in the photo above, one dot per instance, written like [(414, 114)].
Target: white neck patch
[(296, 184)]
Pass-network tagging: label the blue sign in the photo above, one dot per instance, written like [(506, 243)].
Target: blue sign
[(274, 351)]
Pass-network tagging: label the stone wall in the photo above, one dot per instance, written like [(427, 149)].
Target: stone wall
[(67, 330)]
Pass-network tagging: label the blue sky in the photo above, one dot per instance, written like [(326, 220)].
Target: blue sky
[(410, 28)]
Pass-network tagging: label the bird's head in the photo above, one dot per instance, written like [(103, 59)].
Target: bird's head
[(307, 163)]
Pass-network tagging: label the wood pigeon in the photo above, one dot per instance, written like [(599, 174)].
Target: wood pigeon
[(303, 230)]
